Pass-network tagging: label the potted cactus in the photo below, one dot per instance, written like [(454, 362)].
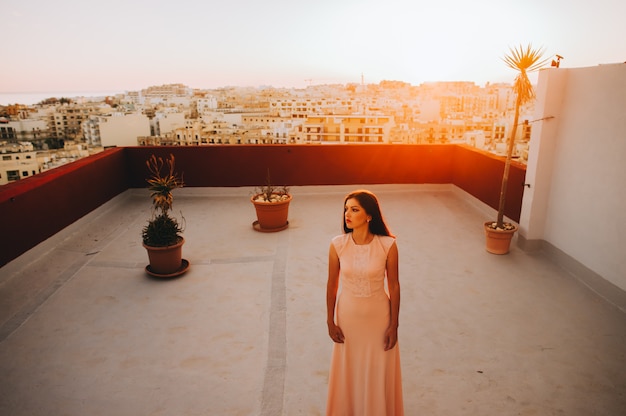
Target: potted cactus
[(162, 235), (271, 203)]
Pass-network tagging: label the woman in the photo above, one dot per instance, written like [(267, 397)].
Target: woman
[(362, 317)]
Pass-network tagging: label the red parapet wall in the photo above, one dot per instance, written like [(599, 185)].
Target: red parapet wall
[(479, 173), (476, 172), (33, 209), (242, 165)]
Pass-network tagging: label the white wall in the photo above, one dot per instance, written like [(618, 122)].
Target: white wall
[(28, 125), (168, 122), (123, 129), (577, 168)]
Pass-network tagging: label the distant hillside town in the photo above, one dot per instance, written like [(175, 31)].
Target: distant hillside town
[(35, 138)]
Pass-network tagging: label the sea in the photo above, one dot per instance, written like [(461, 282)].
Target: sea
[(30, 98)]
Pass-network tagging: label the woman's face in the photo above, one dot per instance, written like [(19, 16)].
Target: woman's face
[(354, 214)]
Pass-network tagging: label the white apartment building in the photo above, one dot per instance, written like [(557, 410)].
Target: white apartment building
[(169, 94), (270, 129), (17, 161), (167, 90), (346, 129), (91, 131), (120, 129), (65, 122), (134, 97), (206, 104), (7, 132), (24, 130), (303, 107), (190, 134), (167, 121)]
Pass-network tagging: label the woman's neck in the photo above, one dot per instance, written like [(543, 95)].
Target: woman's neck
[(362, 235)]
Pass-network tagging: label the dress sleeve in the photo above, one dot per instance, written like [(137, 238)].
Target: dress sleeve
[(387, 242), (340, 242)]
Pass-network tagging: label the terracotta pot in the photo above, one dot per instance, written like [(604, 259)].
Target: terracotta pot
[(165, 260), (498, 241), (271, 216)]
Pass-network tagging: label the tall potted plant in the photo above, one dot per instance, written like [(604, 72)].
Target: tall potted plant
[(271, 203), (524, 60), (162, 236)]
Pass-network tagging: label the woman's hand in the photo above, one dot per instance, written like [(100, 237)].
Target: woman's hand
[(335, 333), (391, 338)]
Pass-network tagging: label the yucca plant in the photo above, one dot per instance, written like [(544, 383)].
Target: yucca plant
[(524, 60), (162, 230)]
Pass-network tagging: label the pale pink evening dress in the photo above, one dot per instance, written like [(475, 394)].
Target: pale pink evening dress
[(364, 378)]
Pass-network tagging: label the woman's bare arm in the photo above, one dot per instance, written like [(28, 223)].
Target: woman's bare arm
[(331, 295), (393, 282)]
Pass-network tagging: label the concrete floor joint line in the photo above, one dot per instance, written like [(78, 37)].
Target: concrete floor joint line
[(274, 380)]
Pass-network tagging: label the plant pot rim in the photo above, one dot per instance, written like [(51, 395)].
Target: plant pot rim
[(488, 227), (289, 197), (181, 241)]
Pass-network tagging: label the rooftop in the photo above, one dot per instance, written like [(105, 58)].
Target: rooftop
[(85, 331)]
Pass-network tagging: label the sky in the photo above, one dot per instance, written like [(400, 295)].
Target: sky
[(128, 45)]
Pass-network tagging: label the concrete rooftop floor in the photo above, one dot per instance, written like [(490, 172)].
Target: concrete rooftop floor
[(84, 330)]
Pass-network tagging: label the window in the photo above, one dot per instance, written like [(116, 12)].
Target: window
[(24, 173), (6, 157), (13, 175)]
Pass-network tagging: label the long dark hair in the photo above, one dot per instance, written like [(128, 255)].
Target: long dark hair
[(370, 204)]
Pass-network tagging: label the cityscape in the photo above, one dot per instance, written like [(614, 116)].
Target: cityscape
[(334, 73), (59, 130)]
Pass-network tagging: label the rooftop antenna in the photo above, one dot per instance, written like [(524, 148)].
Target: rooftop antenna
[(362, 80)]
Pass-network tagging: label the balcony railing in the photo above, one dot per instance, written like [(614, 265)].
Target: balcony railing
[(36, 208)]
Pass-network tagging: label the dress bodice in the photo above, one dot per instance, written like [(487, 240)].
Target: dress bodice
[(362, 267)]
